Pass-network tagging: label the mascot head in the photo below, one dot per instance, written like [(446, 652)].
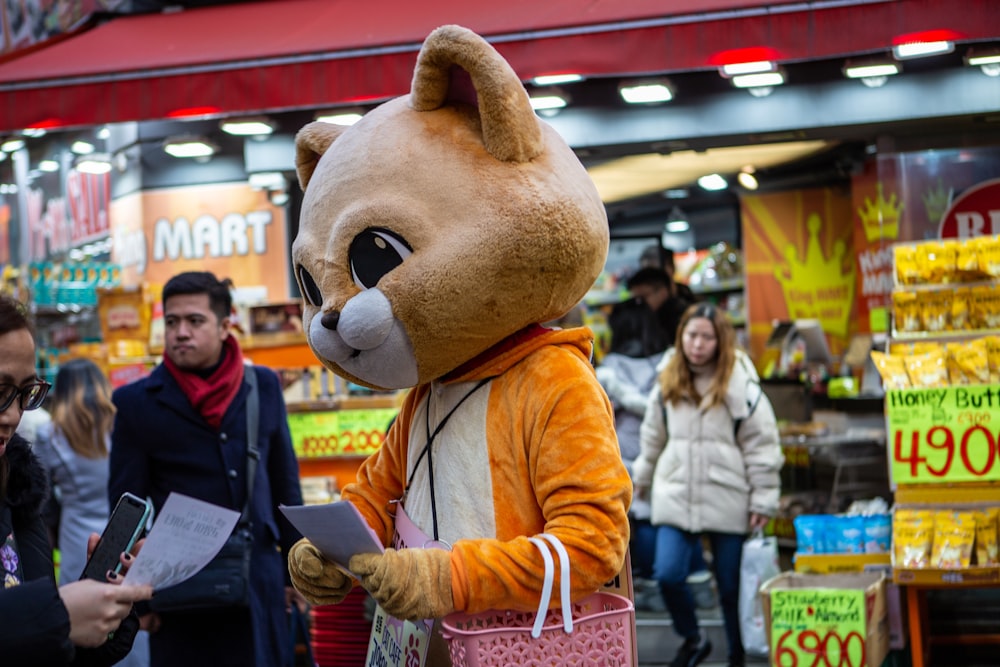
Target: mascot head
[(441, 223)]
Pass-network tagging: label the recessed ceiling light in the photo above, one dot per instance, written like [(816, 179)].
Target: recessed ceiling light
[(759, 80), (652, 91), (81, 147), (755, 67), (48, 165), (247, 127), (921, 49), (94, 164), (556, 79), (194, 147), (548, 102), (747, 179), (713, 182), (861, 70), (345, 118), (12, 145)]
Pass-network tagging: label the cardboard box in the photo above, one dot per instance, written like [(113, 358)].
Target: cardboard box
[(806, 614)]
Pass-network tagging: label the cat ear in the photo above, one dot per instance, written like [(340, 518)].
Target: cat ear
[(310, 144), (511, 130)]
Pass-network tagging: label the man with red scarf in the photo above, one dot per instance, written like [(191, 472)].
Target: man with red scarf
[(184, 428)]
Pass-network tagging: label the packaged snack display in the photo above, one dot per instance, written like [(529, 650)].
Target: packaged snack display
[(912, 536), (945, 538), (954, 536), (892, 369), (927, 370), (986, 537)]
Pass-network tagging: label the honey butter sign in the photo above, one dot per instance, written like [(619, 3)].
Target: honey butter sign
[(800, 262), (231, 230)]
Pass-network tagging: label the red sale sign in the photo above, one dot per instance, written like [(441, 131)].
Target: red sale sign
[(976, 212)]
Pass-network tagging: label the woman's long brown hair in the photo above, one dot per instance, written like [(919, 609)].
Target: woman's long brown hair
[(82, 407), (677, 380)]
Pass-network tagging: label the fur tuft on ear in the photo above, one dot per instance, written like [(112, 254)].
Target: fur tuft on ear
[(511, 132), (310, 144)]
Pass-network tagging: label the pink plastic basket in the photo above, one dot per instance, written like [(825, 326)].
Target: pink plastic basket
[(596, 631)]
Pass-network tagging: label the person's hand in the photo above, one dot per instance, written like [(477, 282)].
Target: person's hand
[(126, 558), (96, 609), (758, 521), (320, 581), (293, 597), (410, 584)]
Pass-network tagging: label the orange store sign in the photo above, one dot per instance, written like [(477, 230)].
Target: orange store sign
[(230, 229)]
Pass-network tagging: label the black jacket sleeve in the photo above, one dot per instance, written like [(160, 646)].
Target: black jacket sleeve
[(34, 625)]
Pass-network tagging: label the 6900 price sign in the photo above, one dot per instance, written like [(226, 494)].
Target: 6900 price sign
[(949, 434), (818, 627)]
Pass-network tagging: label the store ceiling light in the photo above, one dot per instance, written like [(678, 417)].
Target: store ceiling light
[(48, 166), (987, 60), (12, 145), (676, 222), (556, 79), (551, 101), (343, 117), (754, 67), (268, 180), (871, 68), (713, 182), (759, 80), (247, 127), (921, 49), (651, 91), (81, 147), (747, 179), (189, 147), (96, 163)]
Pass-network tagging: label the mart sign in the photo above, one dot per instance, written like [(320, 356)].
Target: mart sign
[(976, 212)]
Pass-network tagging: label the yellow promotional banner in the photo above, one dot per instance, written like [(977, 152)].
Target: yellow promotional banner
[(818, 627), (799, 263), (339, 432), (943, 435)]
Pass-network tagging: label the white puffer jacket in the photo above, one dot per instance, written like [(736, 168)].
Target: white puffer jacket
[(709, 474)]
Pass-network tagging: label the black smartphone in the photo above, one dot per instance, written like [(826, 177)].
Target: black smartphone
[(126, 524)]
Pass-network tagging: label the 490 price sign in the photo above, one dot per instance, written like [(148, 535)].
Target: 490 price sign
[(950, 434)]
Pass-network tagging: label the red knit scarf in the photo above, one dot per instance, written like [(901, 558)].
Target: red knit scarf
[(211, 396)]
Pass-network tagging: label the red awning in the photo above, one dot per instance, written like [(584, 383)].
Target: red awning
[(288, 54)]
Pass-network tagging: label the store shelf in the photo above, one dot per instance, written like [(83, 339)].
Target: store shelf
[(733, 285), (279, 350), (932, 577), (837, 563)]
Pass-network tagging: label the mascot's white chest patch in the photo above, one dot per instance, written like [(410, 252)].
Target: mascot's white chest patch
[(460, 479)]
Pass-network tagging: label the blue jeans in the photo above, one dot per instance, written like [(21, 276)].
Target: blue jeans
[(675, 552)]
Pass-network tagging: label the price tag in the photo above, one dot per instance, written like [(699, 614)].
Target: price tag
[(818, 628), (950, 434), (339, 432)]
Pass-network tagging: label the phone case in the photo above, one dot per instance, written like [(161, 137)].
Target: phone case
[(123, 529)]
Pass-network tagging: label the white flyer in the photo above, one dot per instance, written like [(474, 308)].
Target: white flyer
[(337, 529), (186, 535)]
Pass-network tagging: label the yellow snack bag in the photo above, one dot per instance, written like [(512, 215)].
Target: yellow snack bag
[(958, 318), (935, 310), (954, 536), (927, 370), (892, 369), (980, 300), (967, 260), (914, 347), (935, 261), (956, 376), (912, 538), (993, 357), (988, 251), (991, 307), (972, 360), (905, 257), (906, 311), (986, 536)]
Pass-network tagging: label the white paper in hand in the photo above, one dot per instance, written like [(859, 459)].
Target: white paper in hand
[(186, 535), (337, 529)]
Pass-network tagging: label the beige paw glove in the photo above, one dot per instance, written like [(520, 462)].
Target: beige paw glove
[(410, 584), (319, 580)]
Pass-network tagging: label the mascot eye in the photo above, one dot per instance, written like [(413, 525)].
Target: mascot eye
[(309, 288), (374, 253)]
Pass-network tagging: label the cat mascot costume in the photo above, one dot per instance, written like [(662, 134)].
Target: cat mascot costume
[(436, 236)]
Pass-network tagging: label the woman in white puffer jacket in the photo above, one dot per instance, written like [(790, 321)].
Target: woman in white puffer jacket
[(709, 463)]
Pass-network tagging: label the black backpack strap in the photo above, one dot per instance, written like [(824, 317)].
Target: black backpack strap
[(253, 452)]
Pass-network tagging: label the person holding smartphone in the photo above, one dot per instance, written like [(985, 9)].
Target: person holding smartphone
[(81, 623)]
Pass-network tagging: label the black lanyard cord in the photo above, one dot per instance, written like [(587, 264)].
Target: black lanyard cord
[(427, 447)]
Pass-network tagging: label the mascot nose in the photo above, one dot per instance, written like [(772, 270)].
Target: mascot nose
[(330, 320)]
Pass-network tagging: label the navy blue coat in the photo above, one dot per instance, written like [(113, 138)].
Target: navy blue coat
[(161, 444)]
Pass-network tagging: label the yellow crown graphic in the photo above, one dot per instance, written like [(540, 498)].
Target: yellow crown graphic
[(937, 201), (881, 217), (818, 287)]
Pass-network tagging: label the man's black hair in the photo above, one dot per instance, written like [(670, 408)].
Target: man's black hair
[(650, 276), (14, 316), (201, 282)]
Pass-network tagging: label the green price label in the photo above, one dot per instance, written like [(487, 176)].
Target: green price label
[(818, 627), (339, 432), (944, 435)]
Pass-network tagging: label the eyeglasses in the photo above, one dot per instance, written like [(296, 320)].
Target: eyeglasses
[(31, 396)]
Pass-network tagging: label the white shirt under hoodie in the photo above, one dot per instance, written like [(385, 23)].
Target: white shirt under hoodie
[(706, 475)]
